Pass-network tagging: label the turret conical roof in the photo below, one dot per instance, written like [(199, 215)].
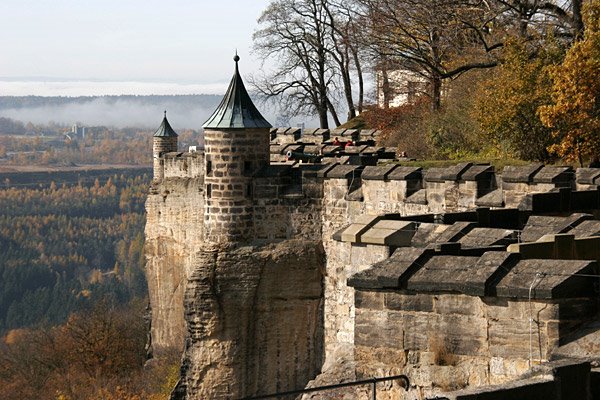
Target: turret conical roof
[(165, 130), (236, 109)]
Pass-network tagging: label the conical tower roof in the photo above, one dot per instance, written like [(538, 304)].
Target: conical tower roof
[(236, 109), (165, 130)]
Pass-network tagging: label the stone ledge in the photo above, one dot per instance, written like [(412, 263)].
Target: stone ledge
[(554, 175), (521, 174), (493, 199), (377, 172), (455, 172), (556, 279), (588, 176), (392, 272), (478, 173), (406, 173)]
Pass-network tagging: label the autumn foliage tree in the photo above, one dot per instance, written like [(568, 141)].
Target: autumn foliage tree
[(574, 115), (507, 103)]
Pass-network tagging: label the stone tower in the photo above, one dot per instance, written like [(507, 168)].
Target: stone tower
[(165, 141), (236, 145)]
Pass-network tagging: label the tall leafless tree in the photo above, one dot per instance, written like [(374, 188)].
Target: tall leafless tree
[(311, 44)]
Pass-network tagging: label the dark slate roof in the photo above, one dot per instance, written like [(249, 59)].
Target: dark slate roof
[(236, 109), (165, 130)]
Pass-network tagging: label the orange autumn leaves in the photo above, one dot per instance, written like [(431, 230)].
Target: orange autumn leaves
[(574, 116)]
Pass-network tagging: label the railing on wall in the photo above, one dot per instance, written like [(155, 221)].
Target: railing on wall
[(373, 381)]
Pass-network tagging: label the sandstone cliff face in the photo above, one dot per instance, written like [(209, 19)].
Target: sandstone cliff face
[(254, 320), (175, 212)]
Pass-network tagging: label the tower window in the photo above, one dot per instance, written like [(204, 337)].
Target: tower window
[(247, 167), (208, 190), (208, 166), (249, 190)]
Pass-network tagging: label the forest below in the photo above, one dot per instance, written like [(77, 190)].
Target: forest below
[(73, 291)]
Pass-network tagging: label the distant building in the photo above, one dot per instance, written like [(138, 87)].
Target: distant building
[(396, 87), (78, 131)]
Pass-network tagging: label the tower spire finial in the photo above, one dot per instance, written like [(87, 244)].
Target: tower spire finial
[(165, 113), (236, 58)]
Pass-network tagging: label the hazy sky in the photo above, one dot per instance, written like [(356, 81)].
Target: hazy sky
[(73, 47)]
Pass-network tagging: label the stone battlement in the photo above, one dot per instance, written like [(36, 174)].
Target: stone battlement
[(278, 257)]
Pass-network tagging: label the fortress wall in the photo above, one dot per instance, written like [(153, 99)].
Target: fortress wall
[(254, 320), (184, 165), (458, 188), (174, 227), (285, 211), (299, 202), (450, 341)]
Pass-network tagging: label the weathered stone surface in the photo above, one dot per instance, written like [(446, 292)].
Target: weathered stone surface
[(494, 198), (455, 231), (478, 173), (455, 172), (406, 173), (392, 272), (554, 175), (481, 237), (345, 171), (439, 273), (548, 279), (174, 226), (586, 229), (520, 174), (427, 234), (389, 233), (378, 172), (538, 225), (588, 176), (419, 197), (254, 317)]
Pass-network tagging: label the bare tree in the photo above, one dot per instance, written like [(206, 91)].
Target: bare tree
[(436, 39), (313, 43)]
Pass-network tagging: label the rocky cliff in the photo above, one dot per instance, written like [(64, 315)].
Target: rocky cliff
[(254, 320)]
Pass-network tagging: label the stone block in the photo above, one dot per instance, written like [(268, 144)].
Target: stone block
[(419, 197), (520, 174), (478, 173), (427, 233), (440, 274), (456, 304), (539, 225), (455, 172), (554, 175), (435, 175), (370, 300), (495, 198), (390, 233), (588, 176), (586, 229), (345, 172), (455, 231), (374, 329), (482, 237), (419, 302), (549, 279), (392, 272), (377, 172), (406, 173)]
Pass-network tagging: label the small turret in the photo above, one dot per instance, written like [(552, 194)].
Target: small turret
[(236, 145), (165, 141)]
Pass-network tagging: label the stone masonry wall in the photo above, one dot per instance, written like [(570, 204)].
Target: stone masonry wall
[(449, 341)]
